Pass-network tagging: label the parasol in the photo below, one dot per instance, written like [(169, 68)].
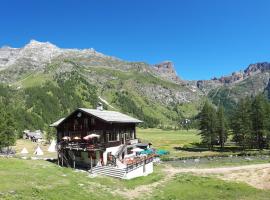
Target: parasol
[(137, 150), (66, 138), (91, 136)]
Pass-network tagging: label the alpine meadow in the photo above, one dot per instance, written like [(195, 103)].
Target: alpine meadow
[(134, 100)]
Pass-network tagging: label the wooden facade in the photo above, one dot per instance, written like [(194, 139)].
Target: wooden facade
[(74, 150)]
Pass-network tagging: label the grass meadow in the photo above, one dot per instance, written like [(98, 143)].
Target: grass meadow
[(38, 179), (42, 180)]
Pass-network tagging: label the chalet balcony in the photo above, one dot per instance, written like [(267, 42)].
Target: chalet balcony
[(84, 146)]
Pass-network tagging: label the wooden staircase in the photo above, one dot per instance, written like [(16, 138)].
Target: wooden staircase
[(66, 159), (120, 151)]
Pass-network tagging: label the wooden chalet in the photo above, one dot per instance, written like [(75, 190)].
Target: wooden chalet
[(96, 137)]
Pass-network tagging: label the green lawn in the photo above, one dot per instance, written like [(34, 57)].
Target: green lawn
[(28, 179), (220, 162), (182, 143), (169, 139), (38, 179), (186, 186)]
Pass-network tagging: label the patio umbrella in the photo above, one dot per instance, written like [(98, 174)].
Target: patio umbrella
[(76, 138), (93, 135), (137, 150), (66, 138)]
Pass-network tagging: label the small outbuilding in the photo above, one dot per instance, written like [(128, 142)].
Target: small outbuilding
[(35, 136)]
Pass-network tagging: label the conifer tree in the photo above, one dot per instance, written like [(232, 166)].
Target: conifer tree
[(258, 116), (221, 127), (207, 118), (242, 124), (7, 133), (267, 124)]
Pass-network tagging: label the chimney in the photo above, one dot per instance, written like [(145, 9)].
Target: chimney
[(99, 106)]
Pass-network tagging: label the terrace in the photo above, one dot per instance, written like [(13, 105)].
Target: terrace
[(93, 145), (86, 146)]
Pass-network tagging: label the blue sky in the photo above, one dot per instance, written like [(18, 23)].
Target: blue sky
[(204, 38)]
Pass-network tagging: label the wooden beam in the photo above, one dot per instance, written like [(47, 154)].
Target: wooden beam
[(91, 163)]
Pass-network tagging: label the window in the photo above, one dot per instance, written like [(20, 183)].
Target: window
[(107, 137), (112, 136), (85, 123), (131, 134), (75, 124), (93, 121)]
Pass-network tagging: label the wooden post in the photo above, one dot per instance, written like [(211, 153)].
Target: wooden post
[(58, 162), (74, 162), (62, 156), (91, 163), (144, 166)]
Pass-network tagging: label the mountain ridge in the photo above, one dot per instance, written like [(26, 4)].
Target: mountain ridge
[(153, 93), (49, 51)]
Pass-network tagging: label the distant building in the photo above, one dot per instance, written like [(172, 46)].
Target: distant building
[(102, 141), (35, 136)]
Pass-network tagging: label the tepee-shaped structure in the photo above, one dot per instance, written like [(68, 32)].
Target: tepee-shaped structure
[(38, 151), (52, 146), (24, 151)]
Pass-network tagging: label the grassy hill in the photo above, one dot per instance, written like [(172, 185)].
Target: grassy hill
[(44, 83), (40, 98)]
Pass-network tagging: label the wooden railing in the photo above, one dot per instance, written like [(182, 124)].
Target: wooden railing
[(138, 162), (89, 146)]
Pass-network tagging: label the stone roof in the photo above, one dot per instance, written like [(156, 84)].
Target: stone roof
[(111, 116), (57, 122), (108, 116)]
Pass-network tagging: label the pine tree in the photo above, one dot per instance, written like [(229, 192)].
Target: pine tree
[(221, 127), (242, 124), (267, 123), (207, 118), (7, 132), (50, 133), (258, 116)]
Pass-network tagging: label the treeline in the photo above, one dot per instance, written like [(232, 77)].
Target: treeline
[(249, 124), (213, 125), (37, 107), (7, 134)]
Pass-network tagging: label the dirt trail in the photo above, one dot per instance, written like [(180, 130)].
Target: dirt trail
[(257, 175)]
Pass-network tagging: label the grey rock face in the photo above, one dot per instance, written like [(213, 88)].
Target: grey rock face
[(15, 63), (167, 71), (38, 54), (7, 56)]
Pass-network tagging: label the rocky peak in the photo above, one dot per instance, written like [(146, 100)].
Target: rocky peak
[(42, 51), (35, 43), (165, 67), (241, 75), (166, 70), (257, 68)]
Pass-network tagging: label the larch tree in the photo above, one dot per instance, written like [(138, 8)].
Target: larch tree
[(221, 127), (258, 117), (207, 119), (242, 124), (7, 132)]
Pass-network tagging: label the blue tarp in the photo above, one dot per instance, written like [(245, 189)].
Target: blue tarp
[(158, 152), (147, 151), (162, 152)]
